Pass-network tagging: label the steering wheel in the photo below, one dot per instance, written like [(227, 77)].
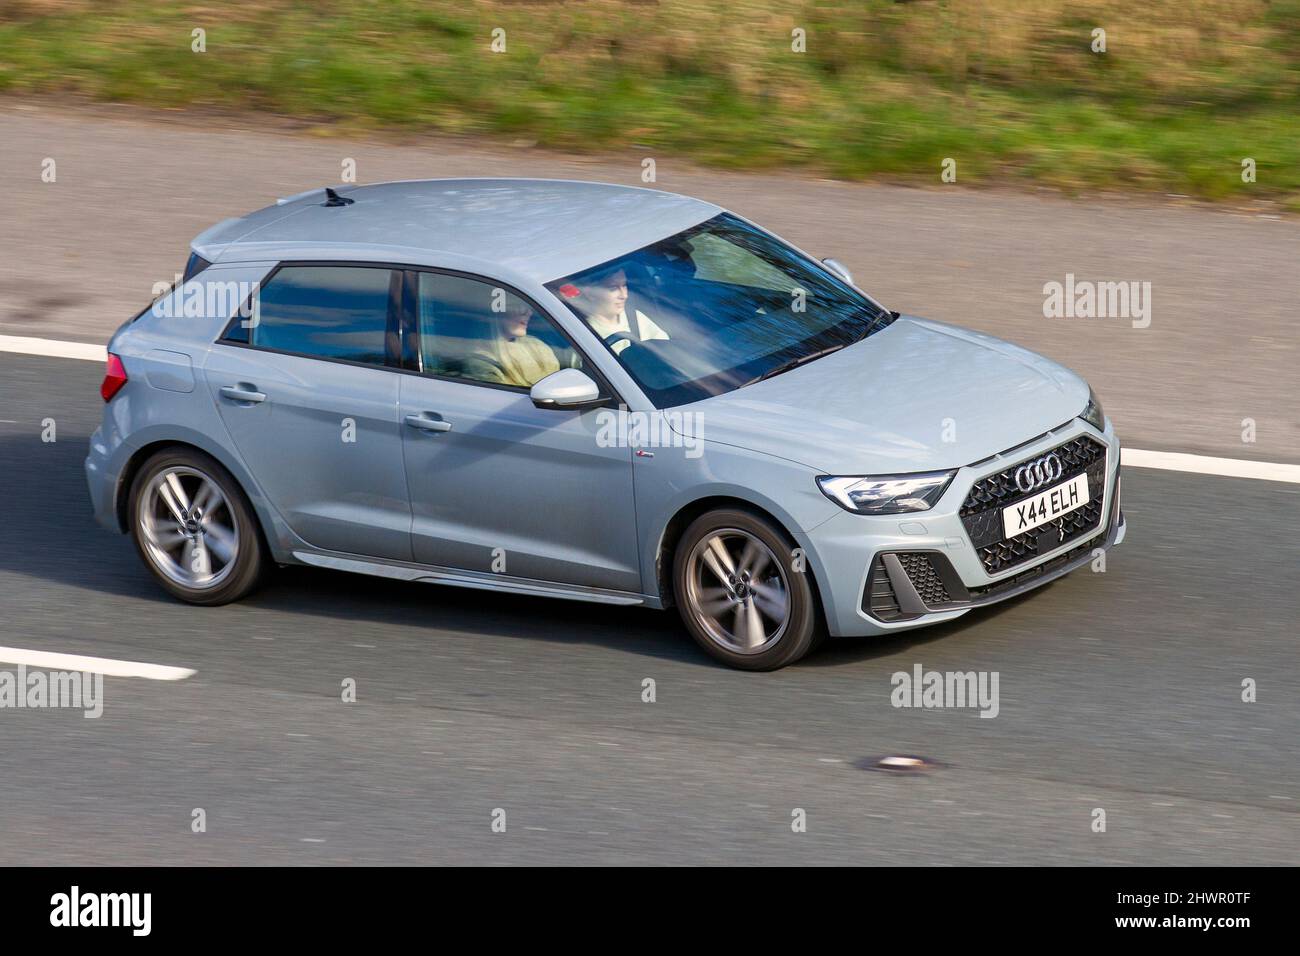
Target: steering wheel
[(615, 337)]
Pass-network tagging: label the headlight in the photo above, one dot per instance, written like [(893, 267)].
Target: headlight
[(886, 494), (1092, 413)]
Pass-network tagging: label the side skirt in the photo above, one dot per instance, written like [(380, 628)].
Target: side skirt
[(466, 579)]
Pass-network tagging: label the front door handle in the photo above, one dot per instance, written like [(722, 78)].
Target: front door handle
[(240, 393), (428, 424)]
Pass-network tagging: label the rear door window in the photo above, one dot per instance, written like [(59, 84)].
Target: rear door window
[(340, 313)]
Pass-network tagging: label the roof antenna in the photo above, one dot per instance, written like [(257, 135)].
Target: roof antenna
[(334, 199)]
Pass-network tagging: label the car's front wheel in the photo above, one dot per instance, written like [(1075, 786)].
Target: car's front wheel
[(742, 593), (194, 528)]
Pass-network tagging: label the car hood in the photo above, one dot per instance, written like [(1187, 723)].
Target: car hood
[(916, 396)]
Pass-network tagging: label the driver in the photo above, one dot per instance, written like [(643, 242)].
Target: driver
[(601, 298)]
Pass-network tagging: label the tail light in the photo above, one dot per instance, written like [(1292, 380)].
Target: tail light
[(114, 378)]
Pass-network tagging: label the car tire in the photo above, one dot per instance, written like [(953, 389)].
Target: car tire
[(194, 528), (740, 593)]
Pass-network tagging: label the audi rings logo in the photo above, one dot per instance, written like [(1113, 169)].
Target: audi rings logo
[(1037, 473)]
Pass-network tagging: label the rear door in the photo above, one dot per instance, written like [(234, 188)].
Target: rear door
[(308, 391)]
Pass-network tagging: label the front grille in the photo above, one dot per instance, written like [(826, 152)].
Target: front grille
[(1007, 584), (920, 571), (999, 491), (1024, 547), (981, 512)]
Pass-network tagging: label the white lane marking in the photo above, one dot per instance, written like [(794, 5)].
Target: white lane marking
[(1134, 457), (52, 348), (1205, 465), (95, 665)]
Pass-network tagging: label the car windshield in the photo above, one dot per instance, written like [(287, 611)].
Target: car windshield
[(714, 308)]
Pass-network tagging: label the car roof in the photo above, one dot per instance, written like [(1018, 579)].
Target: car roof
[(539, 228)]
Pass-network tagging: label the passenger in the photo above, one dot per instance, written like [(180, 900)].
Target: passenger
[(601, 298), (511, 356)]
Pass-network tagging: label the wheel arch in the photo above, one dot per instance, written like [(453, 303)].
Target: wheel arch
[(681, 520), (138, 457)]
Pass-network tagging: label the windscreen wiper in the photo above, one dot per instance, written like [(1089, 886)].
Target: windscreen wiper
[(812, 356), (878, 321), (795, 363)]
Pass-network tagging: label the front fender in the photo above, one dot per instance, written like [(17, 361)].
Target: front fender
[(673, 480)]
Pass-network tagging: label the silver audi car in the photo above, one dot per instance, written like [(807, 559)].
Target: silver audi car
[(588, 391)]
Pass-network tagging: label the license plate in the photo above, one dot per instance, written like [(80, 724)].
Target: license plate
[(1045, 506)]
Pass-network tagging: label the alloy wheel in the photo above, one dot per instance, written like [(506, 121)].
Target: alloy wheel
[(737, 591), (187, 527)]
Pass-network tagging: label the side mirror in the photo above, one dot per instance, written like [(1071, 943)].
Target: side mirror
[(839, 269), (567, 388)]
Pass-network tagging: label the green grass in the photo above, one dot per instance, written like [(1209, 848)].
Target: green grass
[(1008, 88)]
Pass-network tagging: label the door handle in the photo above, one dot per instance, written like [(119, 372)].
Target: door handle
[(237, 393), (428, 424)]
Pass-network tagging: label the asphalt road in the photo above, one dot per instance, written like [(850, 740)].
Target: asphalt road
[(80, 255), (1119, 690)]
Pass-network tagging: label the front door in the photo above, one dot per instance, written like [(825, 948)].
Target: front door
[(497, 484)]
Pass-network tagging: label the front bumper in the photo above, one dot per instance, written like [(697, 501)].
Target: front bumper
[(881, 574), (909, 585)]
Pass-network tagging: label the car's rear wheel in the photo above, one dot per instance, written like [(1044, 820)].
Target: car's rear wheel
[(194, 528), (741, 593)]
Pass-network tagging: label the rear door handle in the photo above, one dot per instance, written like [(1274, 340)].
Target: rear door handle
[(428, 424), (237, 393)]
